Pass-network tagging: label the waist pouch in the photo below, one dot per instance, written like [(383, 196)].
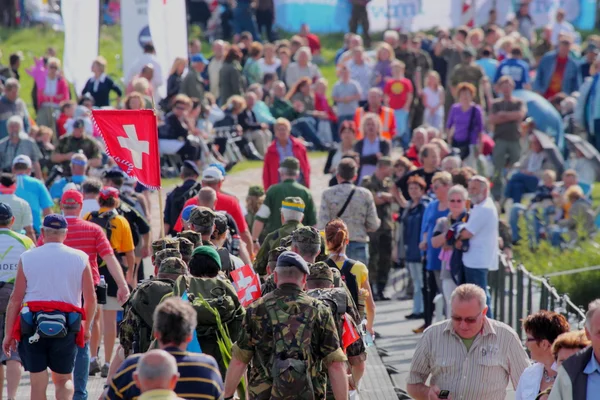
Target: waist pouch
[(50, 324)]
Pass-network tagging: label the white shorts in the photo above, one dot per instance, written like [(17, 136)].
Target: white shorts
[(112, 304)]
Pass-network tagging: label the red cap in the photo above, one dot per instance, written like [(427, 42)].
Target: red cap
[(71, 196), (107, 192)]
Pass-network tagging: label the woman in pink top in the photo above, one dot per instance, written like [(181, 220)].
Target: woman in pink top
[(52, 90)]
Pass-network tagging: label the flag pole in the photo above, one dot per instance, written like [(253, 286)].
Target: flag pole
[(160, 197)]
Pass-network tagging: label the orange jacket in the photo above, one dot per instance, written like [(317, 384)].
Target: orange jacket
[(386, 116)]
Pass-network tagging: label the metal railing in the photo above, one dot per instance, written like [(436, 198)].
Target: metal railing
[(517, 293)]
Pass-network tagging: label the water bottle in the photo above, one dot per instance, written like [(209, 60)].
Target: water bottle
[(367, 337), (101, 291)]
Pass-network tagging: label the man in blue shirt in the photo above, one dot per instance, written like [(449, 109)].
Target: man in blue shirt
[(79, 163), (516, 68), (488, 64), (31, 190)]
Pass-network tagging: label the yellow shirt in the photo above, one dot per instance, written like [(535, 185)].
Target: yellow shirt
[(359, 270), (121, 238)]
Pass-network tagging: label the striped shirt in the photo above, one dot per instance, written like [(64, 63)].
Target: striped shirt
[(199, 377), (89, 238), (483, 372)]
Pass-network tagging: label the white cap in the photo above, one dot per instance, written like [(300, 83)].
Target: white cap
[(212, 174), (22, 159)]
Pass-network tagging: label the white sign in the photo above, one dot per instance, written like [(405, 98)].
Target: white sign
[(135, 31), (410, 15), (80, 19)]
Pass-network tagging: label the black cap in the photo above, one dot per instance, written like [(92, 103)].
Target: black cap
[(291, 259), (5, 212), (55, 221), (192, 165), (114, 173), (78, 123)]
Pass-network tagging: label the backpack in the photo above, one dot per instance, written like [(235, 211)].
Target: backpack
[(347, 277), (141, 304), (218, 294), (179, 196), (292, 361), (336, 300)]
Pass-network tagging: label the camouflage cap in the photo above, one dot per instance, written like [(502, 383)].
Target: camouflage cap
[(172, 265), (192, 236), (306, 234), (202, 216), (276, 252), (185, 246), (256, 190), (290, 163), (166, 253), (286, 241), (320, 271), (220, 222), (166, 243)]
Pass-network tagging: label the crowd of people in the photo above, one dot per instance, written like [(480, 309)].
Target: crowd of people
[(429, 144)]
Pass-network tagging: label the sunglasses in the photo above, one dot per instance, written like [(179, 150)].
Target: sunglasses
[(53, 67), (181, 108), (457, 201), (468, 320)]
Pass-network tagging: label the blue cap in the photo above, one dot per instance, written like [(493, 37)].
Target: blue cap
[(198, 58), (291, 259), (220, 167), (185, 214), (5, 212), (192, 165), (55, 221)]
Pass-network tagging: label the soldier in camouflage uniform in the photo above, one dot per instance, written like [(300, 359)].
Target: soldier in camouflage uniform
[(320, 285), (202, 220), (77, 142), (162, 244), (380, 241), (292, 213), (467, 71), (133, 338), (192, 236), (185, 248), (269, 283), (290, 338)]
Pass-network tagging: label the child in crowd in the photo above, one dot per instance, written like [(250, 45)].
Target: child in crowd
[(433, 100), (399, 96), (67, 111)]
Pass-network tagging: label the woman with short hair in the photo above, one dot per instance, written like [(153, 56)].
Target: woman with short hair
[(100, 85)]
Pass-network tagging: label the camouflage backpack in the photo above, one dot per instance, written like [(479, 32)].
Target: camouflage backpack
[(336, 300), (292, 359), (139, 310)]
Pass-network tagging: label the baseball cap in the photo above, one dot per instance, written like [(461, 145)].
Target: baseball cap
[(290, 163), (78, 123), (256, 190), (72, 197), (192, 236), (320, 271), (192, 165), (185, 246), (212, 174), (22, 159), (220, 166), (5, 212), (306, 234), (202, 216), (209, 252), (55, 221), (185, 214), (198, 58), (172, 266), (107, 192), (166, 253), (293, 203), (289, 259), (276, 252), (166, 243)]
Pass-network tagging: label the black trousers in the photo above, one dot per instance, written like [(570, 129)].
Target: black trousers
[(430, 290), (264, 19)]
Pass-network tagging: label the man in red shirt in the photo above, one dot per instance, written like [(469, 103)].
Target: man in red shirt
[(399, 93), (91, 239), (212, 177), (314, 43)]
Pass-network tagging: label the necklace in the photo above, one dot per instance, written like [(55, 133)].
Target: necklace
[(548, 378)]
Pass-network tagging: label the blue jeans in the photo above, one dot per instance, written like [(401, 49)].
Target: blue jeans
[(244, 20), (520, 184), (479, 277), (307, 129), (401, 118), (416, 273), (358, 251), (81, 372), (556, 236)]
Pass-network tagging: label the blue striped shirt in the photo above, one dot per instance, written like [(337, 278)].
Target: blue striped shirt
[(199, 377)]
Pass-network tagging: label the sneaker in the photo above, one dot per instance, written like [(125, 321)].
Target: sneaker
[(415, 316), (104, 370), (94, 367)]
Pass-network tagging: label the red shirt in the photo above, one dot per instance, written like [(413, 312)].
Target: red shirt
[(60, 124), (555, 85), (313, 42), (413, 155), (226, 203), (89, 238), (397, 90)]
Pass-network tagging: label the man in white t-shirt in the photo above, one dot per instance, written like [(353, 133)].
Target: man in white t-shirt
[(482, 231), (91, 191), (560, 26)]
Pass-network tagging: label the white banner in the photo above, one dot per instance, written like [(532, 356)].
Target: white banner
[(81, 22), (410, 15), (135, 32), (168, 27)]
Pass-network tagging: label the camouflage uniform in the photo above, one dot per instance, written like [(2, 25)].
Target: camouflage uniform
[(253, 191), (269, 283), (161, 244), (132, 328), (293, 309), (185, 248), (380, 241), (192, 236), (69, 144), (356, 351), (470, 73)]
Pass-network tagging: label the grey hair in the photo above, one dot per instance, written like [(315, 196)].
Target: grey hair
[(52, 231), (592, 308), (468, 292), (391, 35), (16, 119), (305, 50), (12, 83), (483, 180), (455, 162), (306, 250), (291, 215), (156, 371), (289, 173), (458, 189), (289, 274), (207, 195), (203, 230)]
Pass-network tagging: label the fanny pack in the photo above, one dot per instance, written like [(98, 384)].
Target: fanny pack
[(49, 324)]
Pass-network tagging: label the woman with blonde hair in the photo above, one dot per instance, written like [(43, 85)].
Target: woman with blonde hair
[(100, 85), (581, 218), (382, 71), (174, 82), (51, 90)]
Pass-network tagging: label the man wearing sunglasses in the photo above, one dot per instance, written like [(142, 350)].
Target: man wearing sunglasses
[(469, 355)]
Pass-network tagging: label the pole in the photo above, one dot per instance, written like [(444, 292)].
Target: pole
[(160, 197)]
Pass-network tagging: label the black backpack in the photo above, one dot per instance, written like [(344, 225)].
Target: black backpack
[(179, 196)]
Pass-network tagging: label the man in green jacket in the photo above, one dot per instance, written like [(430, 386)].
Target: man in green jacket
[(192, 84)]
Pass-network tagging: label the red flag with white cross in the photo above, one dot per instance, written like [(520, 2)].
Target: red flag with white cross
[(247, 284), (131, 139)]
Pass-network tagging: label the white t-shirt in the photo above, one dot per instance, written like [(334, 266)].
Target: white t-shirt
[(54, 272), (88, 206), (483, 246), (269, 69)]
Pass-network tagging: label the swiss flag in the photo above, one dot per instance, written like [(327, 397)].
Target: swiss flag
[(131, 138), (349, 334), (246, 284)]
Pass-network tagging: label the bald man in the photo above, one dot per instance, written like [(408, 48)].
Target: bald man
[(156, 375)]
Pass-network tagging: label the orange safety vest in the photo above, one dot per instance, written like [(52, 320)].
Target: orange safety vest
[(386, 116)]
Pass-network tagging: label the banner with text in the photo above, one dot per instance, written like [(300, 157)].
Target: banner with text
[(135, 31)]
